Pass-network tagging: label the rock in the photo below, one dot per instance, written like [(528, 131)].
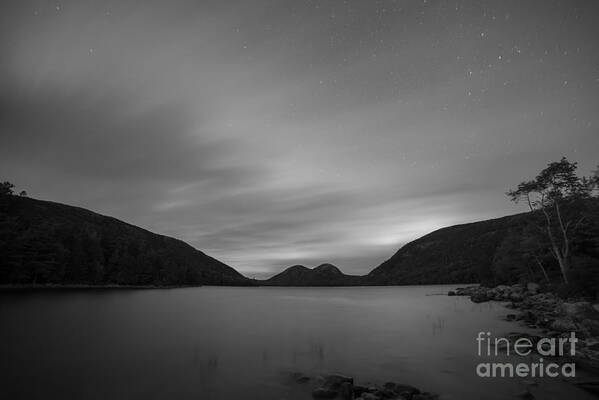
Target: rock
[(479, 297), (299, 377), (579, 311), (516, 296), (400, 388), (346, 391), (324, 393), (591, 385), (467, 291), (563, 325), (526, 395), (386, 394), (335, 381), (590, 327), (369, 396), (527, 316), (358, 390), (451, 293), (513, 336), (594, 346), (533, 288), (342, 388), (332, 385), (587, 359)]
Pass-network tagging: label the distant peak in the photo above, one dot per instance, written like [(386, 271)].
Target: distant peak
[(296, 268), (327, 268)]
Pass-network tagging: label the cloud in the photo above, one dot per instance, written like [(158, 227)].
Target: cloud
[(103, 148), (275, 133)]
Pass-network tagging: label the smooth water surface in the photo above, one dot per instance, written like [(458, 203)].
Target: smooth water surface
[(234, 343)]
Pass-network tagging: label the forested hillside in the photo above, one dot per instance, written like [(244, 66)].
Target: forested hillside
[(498, 251), (42, 242)]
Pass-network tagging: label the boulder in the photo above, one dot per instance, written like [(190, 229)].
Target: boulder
[(335, 381), (590, 327), (526, 395), (467, 291), (400, 388), (533, 288), (516, 296), (563, 325), (579, 311), (299, 377), (346, 391), (333, 385), (369, 396), (359, 389), (594, 346), (588, 360), (479, 297), (591, 385), (324, 393), (527, 316)]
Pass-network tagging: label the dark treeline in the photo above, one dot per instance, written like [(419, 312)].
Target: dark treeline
[(43, 242), (505, 250), (557, 243)]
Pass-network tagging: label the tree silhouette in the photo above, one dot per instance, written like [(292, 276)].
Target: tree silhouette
[(7, 188), (554, 187)]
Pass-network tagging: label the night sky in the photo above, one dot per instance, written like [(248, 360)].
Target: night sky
[(273, 133)]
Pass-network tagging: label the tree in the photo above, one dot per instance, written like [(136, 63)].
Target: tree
[(547, 194), (7, 188), (594, 180)]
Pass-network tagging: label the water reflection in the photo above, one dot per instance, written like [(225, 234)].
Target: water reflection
[(438, 325), (224, 343)]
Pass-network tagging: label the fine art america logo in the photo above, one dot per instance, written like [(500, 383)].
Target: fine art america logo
[(524, 346)]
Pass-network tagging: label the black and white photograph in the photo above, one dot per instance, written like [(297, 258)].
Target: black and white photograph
[(299, 199)]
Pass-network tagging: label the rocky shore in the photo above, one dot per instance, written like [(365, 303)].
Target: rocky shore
[(553, 316), (344, 388)]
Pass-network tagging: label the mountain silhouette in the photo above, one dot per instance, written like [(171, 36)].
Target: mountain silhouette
[(43, 242)]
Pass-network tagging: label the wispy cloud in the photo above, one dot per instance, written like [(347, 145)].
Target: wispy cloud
[(276, 133)]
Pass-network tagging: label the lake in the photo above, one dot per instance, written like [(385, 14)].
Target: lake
[(243, 343)]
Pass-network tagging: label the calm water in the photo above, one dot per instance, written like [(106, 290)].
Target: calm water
[(230, 343)]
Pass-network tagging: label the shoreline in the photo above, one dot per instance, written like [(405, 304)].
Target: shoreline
[(552, 316), (118, 286), (342, 387)]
